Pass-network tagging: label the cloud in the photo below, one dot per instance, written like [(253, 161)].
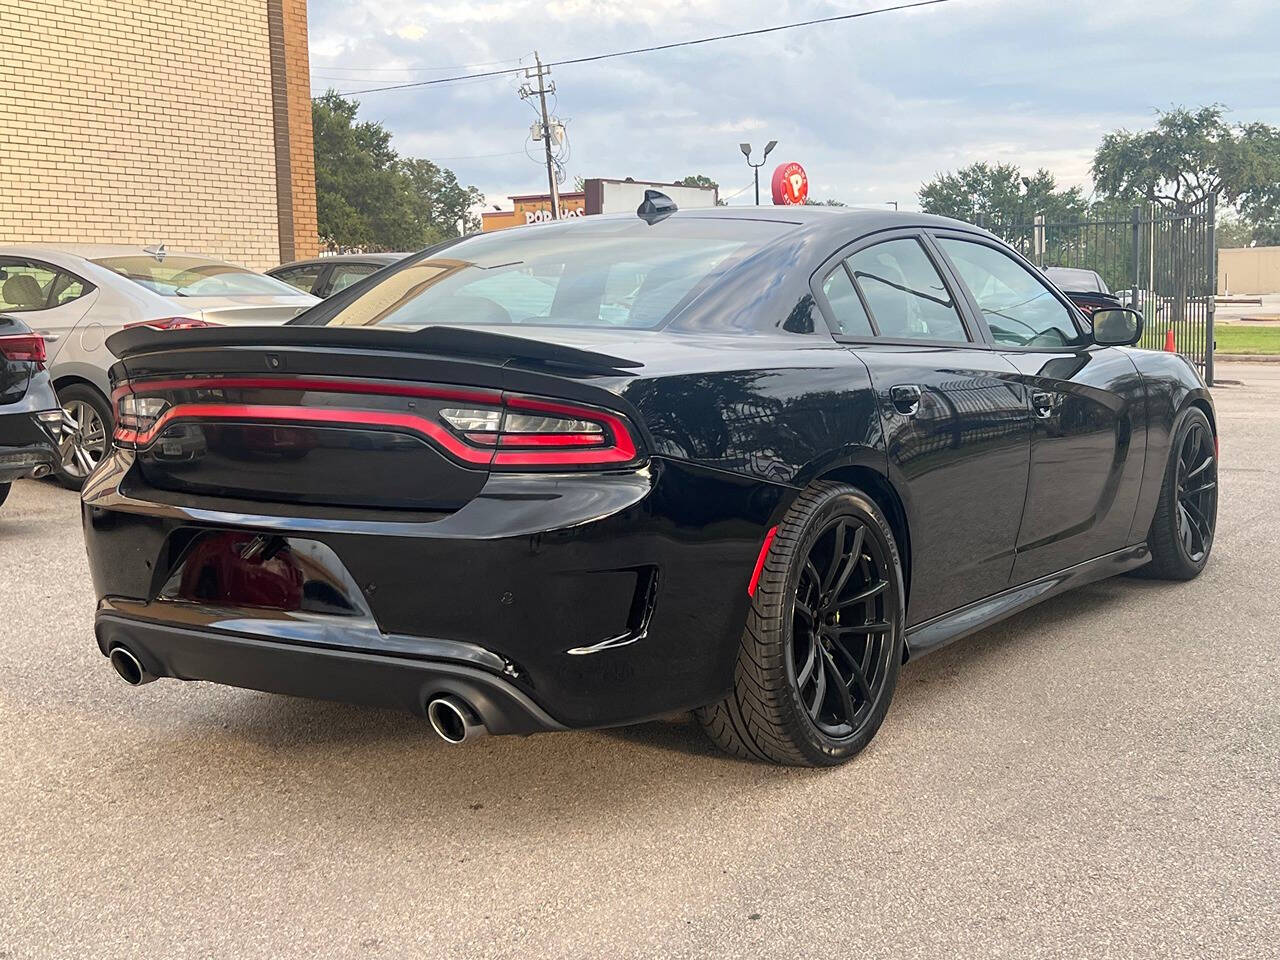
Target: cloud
[(871, 107)]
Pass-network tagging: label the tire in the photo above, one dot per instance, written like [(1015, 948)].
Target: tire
[(71, 470), (790, 647), (4, 492), (1182, 530)]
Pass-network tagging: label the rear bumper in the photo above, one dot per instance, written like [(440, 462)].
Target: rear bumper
[(26, 447), (601, 599), (168, 650)]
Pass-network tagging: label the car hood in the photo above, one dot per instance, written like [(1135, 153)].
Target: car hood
[(243, 310)]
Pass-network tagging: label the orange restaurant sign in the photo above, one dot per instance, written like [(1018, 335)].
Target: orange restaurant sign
[(533, 209)]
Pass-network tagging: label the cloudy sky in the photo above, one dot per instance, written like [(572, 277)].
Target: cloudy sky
[(871, 107)]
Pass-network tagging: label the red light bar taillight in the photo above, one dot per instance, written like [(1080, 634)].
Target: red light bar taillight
[(532, 432), (21, 347), (476, 427), (172, 323)]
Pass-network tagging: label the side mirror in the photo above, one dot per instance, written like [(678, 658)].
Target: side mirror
[(1117, 326)]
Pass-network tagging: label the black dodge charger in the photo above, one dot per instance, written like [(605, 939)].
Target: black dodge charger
[(745, 462)]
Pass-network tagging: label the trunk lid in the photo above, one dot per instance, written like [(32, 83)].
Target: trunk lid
[(243, 310), (351, 417)]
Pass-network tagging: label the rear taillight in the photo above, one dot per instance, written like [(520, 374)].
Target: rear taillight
[(172, 323), (532, 432), (20, 347), (476, 427), (136, 416)]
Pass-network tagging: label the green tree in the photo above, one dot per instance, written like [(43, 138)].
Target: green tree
[(1001, 193), (438, 203), (1189, 156), (701, 180), (367, 196)]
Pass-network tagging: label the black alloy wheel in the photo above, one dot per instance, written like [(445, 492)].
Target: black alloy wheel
[(1182, 530), (841, 636), (1197, 480), (819, 658)]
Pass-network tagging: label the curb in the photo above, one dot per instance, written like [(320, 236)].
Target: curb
[(1246, 357)]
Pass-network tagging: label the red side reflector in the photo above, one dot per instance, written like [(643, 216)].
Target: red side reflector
[(23, 346), (764, 552)]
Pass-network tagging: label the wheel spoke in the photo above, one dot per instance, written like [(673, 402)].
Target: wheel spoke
[(859, 678), (1208, 461), (804, 612), (1185, 529), (83, 460), (1196, 491), (806, 672), (836, 556), (819, 693), (1191, 445), (812, 572), (852, 560), (856, 628), (846, 702), (1200, 520), (863, 596)]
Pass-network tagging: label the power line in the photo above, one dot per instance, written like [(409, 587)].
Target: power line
[(652, 49), (455, 66)]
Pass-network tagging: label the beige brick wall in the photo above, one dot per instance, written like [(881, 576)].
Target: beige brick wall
[(139, 121)]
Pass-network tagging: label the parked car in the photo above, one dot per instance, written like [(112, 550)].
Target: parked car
[(741, 461), (324, 276), (77, 296), (30, 420), (1086, 288)]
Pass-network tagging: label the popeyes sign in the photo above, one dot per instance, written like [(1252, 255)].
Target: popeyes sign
[(790, 185)]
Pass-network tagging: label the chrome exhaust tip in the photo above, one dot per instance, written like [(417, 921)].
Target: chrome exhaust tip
[(40, 471), (128, 666), (454, 721)]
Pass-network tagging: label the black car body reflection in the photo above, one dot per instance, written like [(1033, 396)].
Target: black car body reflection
[(596, 565)]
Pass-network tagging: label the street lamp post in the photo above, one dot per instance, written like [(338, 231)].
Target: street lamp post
[(746, 152)]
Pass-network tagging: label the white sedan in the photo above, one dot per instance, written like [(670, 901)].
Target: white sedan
[(76, 296)]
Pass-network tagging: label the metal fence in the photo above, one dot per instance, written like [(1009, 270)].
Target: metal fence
[(1160, 261)]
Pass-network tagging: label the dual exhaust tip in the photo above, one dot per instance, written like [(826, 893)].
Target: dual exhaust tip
[(129, 666), (453, 720)]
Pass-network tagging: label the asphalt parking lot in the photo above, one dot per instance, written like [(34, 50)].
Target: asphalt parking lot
[(1096, 777)]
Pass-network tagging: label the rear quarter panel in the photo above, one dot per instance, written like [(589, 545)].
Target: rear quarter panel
[(778, 410)]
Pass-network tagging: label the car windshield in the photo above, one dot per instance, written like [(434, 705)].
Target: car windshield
[(602, 273), (177, 276)]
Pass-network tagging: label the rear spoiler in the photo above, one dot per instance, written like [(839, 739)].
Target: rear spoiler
[(438, 341)]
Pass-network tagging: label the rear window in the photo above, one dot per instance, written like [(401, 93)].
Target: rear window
[(1077, 281), (177, 276), (606, 273)]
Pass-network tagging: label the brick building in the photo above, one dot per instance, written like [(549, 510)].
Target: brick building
[(185, 122)]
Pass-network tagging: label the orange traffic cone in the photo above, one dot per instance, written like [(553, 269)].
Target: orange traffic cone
[(1170, 345)]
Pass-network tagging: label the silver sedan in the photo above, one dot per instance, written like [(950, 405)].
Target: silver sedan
[(77, 296)]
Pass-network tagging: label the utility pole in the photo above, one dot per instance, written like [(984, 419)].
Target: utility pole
[(540, 73)]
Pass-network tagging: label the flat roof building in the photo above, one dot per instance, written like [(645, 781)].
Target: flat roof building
[(158, 121)]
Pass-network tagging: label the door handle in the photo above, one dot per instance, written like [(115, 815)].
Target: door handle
[(905, 398), (1043, 403)]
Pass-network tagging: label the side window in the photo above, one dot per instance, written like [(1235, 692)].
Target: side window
[(67, 287), (906, 295), (345, 274), (304, 278), (850, 315), (25, 285), (1018, 308)]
